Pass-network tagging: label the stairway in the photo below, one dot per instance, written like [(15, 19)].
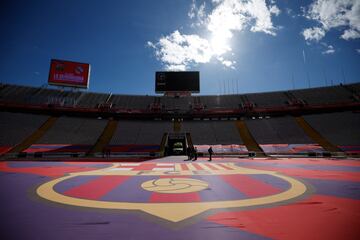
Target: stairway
[(316, 136), (248, 139), (189, 140), (177, 125), (105, 137), (163, 144), (35, 136)]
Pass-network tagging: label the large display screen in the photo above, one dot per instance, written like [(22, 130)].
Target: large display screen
[(177, 82), (67, 73)]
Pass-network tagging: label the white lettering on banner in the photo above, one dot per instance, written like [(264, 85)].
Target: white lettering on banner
[(68, 77)]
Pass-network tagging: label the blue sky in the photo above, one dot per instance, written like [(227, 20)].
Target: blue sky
[(237, 45)]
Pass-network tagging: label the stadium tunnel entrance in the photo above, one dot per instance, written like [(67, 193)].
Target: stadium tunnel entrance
[(177, 144)]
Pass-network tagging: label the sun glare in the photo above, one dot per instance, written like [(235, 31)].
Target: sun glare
[(219, 44)]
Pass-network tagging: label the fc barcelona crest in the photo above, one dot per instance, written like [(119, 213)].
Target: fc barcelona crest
[(173, 191)]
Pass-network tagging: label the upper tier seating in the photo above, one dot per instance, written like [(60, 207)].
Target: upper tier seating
[(269, 99), (355, 86), (53, 96), (324, 95), (16, 94), (32, 95), (172, 103), (221, 101), (92, 100), (131, 101)]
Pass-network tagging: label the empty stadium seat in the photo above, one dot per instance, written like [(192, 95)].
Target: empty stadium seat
[(340, 128), (74, 130), (212, 132), (15, 127), (277, 130), (140, 132)]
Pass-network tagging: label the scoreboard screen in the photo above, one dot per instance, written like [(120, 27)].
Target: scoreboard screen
[(68, 73), (177, 82)]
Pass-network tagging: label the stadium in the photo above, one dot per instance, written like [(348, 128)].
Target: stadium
[(282, 158), (86, 158)]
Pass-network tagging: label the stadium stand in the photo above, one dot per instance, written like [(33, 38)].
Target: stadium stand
[(277, 130), (92, 100), (340, 128), (223, 101), (32, 95), (211, 101), (269, 99), (221, 135), (15, 127), (74, 130), (105, 137), (282, 135), (16, 94), (355, 87), (251, 145), (140, 132), (202, 132), (176, 103), (54, 97), (140, 102), (120, 101), (131, 102), (212, 132), (324, 95)]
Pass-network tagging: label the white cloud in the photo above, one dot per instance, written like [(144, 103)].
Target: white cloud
[(174, 67), (228, 63), (176, 51), (275, 10), (330, 50), (358, 51), (314, 33), (180, 51), (290, 12), (197, 13), (192, 12), (261, 14), (350, 34), (304, 56), (336, 14)]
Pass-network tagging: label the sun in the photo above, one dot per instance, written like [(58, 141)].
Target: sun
[(219, 44)]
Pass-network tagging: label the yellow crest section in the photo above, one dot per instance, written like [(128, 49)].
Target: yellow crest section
[(174, 212)]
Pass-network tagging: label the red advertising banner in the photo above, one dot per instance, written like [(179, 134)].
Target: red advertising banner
[(66, 73)]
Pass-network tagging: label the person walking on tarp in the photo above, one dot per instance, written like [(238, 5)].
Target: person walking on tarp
[(211, 152), (103, 152), (188, 153), (195, 153), (107, 152)]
